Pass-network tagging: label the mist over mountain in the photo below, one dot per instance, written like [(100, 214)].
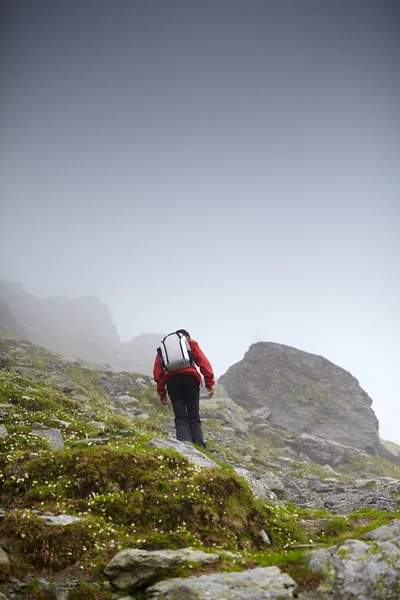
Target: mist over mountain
[(81, 328)]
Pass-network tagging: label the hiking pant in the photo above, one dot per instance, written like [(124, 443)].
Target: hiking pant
[(184, 392)]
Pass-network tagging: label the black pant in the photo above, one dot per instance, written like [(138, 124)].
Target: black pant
[(184, 391)]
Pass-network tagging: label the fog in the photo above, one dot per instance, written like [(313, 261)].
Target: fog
[(227, 167)]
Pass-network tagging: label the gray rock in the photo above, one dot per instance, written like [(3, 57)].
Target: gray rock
[(265, 537), (271, 481), (91, 441), (325, 451), (254, 584), (186, 449), (328, 470), (144, 416), (3, 432), (385, 533), (363, 483), (258, 487), (63, 423), (59, 519), (4, 560), (99, 426), (259, 414), (53, 436), (304, 392), (227, 411), (140, 382), (132, 568), (360, 570), (126, 401)]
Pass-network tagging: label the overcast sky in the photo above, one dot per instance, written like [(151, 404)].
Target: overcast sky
[(230, 167)]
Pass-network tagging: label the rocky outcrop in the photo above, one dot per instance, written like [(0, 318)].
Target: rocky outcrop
[(305, 393), (130, 569), (228, 412), (361, 569), (323, 451), (262, 583), (186, 449)]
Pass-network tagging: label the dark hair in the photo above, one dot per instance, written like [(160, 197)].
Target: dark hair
[(184, 332)]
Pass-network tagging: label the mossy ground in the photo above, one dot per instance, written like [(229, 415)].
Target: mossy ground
[(128, 494)]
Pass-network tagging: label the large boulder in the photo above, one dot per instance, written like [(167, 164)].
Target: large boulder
[(130, 569), (305, 393), (262, 583)]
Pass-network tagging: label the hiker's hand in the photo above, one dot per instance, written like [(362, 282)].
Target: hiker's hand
[(163, 400), (210, 391)]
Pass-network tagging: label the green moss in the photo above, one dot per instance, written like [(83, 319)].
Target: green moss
[(42, 546), (88, 591), (336, 526), (36, 591)]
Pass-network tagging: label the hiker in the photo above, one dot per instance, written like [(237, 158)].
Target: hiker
[(175, 369)]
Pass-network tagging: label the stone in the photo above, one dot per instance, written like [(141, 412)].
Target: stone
[(53, 436), (328, 470), (3, 432), (99, 426), (258, 488), (325, 451), (59, 519), (361, 569), (63, 423), (91, 441), (126, 401), (130, 569), (273, 482), (186, 449), (259, 414), (262, 583), (228, 412), (4, 560), (265, 537)]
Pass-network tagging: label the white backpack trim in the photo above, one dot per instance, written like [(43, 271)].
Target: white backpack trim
[(175, 352)]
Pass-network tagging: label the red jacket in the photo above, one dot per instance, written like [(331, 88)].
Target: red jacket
[(160, 376)]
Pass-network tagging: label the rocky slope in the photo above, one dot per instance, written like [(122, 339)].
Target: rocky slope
[(304, 393), (98, 502)]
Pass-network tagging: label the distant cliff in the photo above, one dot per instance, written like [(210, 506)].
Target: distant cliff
[(305, 393), (78, 327), (8, 321)]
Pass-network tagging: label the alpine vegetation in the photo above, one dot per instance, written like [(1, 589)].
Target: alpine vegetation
[(98, 500)]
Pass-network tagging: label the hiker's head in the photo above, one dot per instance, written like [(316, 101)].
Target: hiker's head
[(184, 332)]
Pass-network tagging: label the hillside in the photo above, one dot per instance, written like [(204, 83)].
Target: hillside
[(88, 469)]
